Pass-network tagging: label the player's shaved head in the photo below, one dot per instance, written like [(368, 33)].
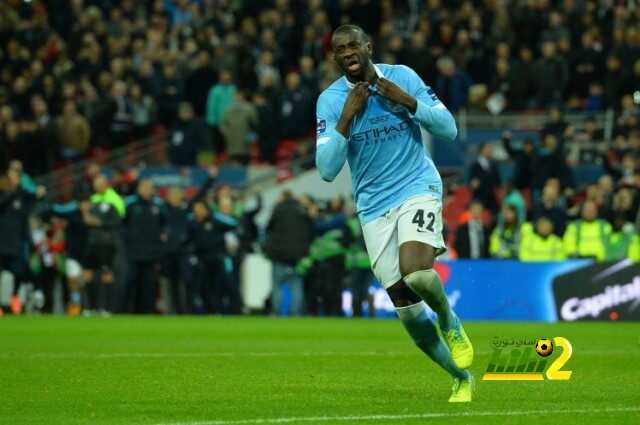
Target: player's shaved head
[(349, 29)]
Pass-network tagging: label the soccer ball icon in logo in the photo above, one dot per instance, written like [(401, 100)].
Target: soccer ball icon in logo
[(544, 347)]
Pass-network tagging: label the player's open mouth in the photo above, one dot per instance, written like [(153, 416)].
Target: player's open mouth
[(353, 67)]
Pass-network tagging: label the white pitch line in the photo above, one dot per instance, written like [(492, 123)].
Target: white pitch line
[(260, 421)]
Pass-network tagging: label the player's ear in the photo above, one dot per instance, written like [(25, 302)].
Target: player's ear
[(369, 47)]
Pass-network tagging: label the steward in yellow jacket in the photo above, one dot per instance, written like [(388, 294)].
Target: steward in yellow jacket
[(587, 237), (540, 244)]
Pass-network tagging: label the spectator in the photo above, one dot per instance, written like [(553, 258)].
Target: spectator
[(296, 109), (485, 178), (502, 82), (587, 236), (550, 162), (418, 57), (289, 234), (175, 265), (523, 87), (220, 98), (15, 207), (620, 238), (103, 220), (549, 207), (556, 124), (512, 197), (237, 127), (171, 93), (587, 63), (145, 235), (73, 132), (36, 141), (121, 123), (472, 237), (189, 136), (217, 292), (199, 81), (143, 111), (103, 193), (551, 73), (634, 248), (524, 161), (540, 243), (452, 85), (309, 77), (268, 134), (505, 238), (614, 81)]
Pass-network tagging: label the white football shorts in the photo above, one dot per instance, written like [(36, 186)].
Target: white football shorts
[(417, 219)]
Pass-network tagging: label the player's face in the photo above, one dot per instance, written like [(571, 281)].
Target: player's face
[(352, 54)]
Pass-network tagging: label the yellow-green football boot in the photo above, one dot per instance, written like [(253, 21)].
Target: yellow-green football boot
[(462, 390), (460, 345)]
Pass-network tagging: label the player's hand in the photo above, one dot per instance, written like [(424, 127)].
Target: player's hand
[(356, 100), (395, 94)]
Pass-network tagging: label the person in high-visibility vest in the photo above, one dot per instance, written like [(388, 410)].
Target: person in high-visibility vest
[(634, 248), (619, 240), (540, 243), (587, 237), (505, 238)]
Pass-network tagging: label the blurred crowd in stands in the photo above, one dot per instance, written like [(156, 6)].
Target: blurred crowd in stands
[(120, 247), (83, 75)]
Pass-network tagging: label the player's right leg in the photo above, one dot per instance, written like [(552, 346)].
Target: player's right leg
[(381, 240), (412, 312)]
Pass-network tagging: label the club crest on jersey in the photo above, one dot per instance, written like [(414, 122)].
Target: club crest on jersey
[(322, 126)]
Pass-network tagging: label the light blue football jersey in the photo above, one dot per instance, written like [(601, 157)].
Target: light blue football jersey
[(388, 160)]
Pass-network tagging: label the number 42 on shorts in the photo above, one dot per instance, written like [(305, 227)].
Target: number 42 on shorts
[(418, 219)]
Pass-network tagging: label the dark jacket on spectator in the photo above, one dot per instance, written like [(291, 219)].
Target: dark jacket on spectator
[(463, 242), (186, 140), (207, 238), (144, 224), (523, 170), (296, 112), (489, 181), (177, 227), (551, 77), (15, 207), (289, 232)]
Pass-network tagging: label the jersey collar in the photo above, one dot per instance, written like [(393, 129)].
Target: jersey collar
[(351, 85)]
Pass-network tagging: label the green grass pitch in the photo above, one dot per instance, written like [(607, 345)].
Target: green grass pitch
[(243, 371)]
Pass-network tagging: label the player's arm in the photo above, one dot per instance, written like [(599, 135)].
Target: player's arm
[(421, 102), (333, 130)]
